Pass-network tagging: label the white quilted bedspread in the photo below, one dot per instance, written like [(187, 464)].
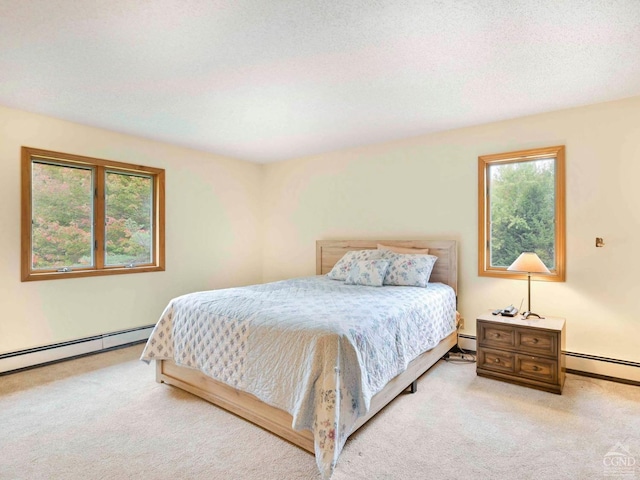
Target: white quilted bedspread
[(314, 347)]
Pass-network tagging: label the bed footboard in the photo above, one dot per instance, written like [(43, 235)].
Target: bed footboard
[(278, 421)]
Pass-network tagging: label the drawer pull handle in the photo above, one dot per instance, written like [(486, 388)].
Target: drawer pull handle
[(497, 360), (535, 340), (497, 335), (536, 368)]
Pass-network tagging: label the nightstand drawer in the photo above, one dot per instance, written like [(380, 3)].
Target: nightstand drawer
[(536, 341), (492, 335), (537, 368), (496, 361)]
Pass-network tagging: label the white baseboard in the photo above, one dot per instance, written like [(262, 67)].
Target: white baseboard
[(53, 353), (602, 367), (580, 363), (467, 342)]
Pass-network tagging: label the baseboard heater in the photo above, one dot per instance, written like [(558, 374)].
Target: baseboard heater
[(614, 369), (38, 356)]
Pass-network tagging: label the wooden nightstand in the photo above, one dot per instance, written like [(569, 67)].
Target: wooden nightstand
[(526, 352)]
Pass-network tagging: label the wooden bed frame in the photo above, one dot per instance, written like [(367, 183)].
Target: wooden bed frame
[(277, 421)]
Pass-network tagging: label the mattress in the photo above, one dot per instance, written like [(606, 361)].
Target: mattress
[(313, 347)]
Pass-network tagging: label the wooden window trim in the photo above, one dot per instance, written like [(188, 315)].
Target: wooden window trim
[(99, 166), (557, 152)]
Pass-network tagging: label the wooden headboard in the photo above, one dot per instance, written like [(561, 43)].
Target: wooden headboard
[(328, 252)]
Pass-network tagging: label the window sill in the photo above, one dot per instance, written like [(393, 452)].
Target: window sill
[(52, 275), (555, 276)]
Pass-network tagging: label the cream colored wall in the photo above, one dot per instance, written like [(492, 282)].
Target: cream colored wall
[(213, 227), (427, 187), (219, 209)]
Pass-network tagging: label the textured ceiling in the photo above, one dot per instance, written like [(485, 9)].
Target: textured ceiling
[(271, 80)]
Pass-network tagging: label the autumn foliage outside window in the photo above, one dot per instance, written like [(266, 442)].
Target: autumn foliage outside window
[(85, 216)]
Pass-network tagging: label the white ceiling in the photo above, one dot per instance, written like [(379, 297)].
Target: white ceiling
[(271, 80)]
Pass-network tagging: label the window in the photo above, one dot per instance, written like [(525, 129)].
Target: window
[(521, 206), (84, 216)]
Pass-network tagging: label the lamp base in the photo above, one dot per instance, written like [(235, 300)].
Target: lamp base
[(526, 315)]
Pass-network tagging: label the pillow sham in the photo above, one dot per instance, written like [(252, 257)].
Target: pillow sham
[(408, 270), (367, 272), (392, 248), (341, 269)]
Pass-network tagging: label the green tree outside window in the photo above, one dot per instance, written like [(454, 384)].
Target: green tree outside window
[(521, 203)]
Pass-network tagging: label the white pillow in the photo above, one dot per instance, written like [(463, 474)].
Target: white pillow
[(408, 270), (341, 269), (367, 272)]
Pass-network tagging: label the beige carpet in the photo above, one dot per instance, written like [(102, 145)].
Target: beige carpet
[(104, 417)]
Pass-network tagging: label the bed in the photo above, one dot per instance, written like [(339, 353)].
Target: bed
[(316, 387)]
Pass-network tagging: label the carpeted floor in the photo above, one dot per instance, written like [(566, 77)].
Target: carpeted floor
[(104, 417)]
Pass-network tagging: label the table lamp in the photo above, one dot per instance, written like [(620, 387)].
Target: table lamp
[(528, 262)]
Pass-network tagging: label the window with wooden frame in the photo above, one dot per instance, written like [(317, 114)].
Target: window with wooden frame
[(521, 208), (85, 216)]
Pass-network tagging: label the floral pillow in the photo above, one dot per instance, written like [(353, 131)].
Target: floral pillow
[(341, 269), (408, 270), (367, 272)]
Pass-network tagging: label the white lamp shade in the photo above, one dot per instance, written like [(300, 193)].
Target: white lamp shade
[(528, 262)]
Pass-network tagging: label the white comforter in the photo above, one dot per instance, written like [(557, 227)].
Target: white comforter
[(314, 347)]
